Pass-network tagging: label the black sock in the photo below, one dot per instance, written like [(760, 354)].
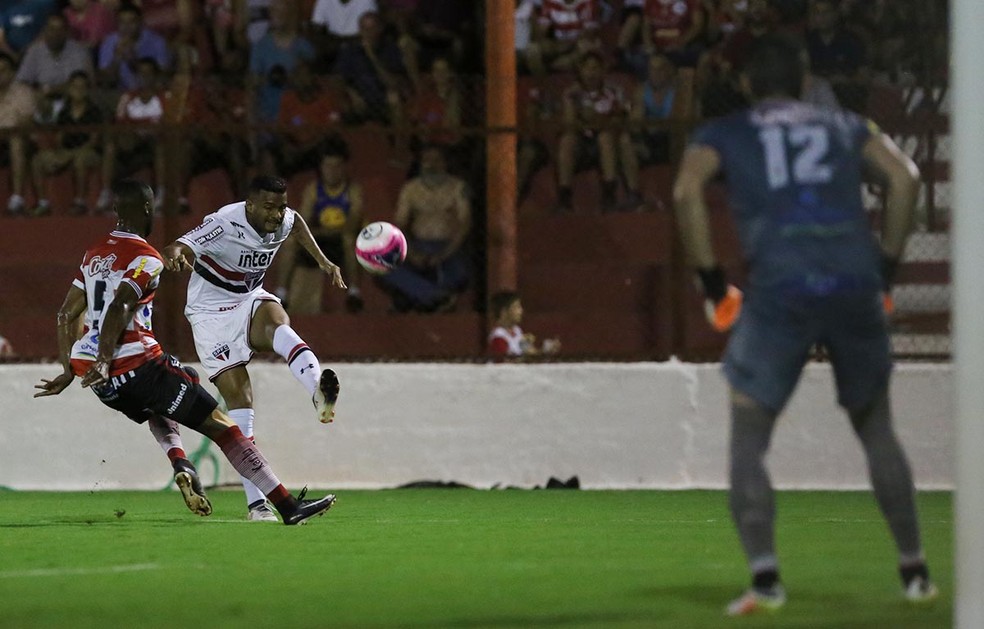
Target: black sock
[(765, 580), (908, 573)]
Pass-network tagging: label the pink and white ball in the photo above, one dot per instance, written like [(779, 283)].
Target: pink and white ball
[(380, 247)]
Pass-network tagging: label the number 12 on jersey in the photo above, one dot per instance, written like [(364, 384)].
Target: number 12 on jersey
[(808, 146)]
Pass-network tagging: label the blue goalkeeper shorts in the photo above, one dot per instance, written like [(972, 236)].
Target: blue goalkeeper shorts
[(773, 338)]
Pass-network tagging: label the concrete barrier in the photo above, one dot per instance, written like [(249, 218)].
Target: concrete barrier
[(633, 425)]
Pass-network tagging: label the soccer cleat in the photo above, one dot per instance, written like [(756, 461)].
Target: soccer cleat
[(326, 395), (723, 314), (757, 601), (186, 478), (307, 509), (920, 591), (261, 513)]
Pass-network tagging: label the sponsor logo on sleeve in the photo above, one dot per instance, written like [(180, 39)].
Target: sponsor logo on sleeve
[(140, 268), (212, 235)]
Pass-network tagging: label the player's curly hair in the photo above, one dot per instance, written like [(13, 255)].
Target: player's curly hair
[(267, 183)]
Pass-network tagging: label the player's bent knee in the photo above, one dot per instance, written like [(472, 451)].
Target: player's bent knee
[(215, 424)]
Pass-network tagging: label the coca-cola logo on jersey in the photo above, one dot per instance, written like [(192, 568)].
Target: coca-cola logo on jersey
[(102, 266)]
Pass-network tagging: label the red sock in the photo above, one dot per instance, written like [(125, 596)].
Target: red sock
[(176, 453), (247, 459)]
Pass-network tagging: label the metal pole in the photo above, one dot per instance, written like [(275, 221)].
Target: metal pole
[(500, 100), (967, 232)]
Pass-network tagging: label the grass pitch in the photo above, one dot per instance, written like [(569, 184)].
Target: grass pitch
[(451, 558)]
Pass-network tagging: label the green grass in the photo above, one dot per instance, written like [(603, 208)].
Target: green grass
[(450, 558)]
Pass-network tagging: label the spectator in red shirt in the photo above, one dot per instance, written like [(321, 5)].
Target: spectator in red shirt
[(435, 112), (308, 110), (90, 21), (594, 133), (674, 28), (507, 341), (563, 31)]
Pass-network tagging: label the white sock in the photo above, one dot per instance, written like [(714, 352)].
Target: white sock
[(166, 433), (300, 359), (244, 419)]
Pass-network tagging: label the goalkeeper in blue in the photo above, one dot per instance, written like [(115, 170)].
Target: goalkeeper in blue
[(817, 276)]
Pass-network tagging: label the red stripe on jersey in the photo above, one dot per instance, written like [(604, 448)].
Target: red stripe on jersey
[(222, 271), (569, 20), (120, 365)]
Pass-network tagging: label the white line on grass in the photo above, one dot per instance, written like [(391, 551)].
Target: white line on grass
[(61, 572)]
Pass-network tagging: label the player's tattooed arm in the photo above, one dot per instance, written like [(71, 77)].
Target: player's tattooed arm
[(178, 257), (115, 318), (68, 315), (302, 234)]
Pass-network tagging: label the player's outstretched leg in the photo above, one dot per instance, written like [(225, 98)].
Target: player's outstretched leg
[(186, 478), (247, 459), (891, 478), (321, 385)]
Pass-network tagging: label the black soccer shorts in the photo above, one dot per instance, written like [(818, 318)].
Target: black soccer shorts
[(158, 387)]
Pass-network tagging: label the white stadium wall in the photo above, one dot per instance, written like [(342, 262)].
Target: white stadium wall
[(631, 426)]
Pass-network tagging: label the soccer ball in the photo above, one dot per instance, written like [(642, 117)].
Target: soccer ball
[(380, 247)]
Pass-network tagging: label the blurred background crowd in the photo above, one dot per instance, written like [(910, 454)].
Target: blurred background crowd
[(375, 109)]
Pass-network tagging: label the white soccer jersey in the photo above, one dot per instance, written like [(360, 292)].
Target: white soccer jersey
[(231, 259)]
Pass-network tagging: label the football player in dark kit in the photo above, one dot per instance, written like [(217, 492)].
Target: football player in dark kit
[(817, 276), (119, 358)]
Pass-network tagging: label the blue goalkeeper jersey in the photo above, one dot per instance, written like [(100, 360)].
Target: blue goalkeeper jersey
[(793, 172)]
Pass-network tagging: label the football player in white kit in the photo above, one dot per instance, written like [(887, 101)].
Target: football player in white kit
[(232, 316)]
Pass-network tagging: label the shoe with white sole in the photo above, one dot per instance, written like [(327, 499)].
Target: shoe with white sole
[(920, 591), (755, 601), (262, 513)]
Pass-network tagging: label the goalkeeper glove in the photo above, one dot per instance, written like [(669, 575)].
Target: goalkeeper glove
[(723, 301)]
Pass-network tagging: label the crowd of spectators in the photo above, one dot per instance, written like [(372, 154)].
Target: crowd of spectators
[(266, 85), (609, 73), (259, 82)]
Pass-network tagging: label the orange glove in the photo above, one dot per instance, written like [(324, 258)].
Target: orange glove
[(723, 314), (723, 301), (888, 304)]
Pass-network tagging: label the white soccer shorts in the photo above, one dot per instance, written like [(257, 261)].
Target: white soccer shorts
[(222, 338)]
